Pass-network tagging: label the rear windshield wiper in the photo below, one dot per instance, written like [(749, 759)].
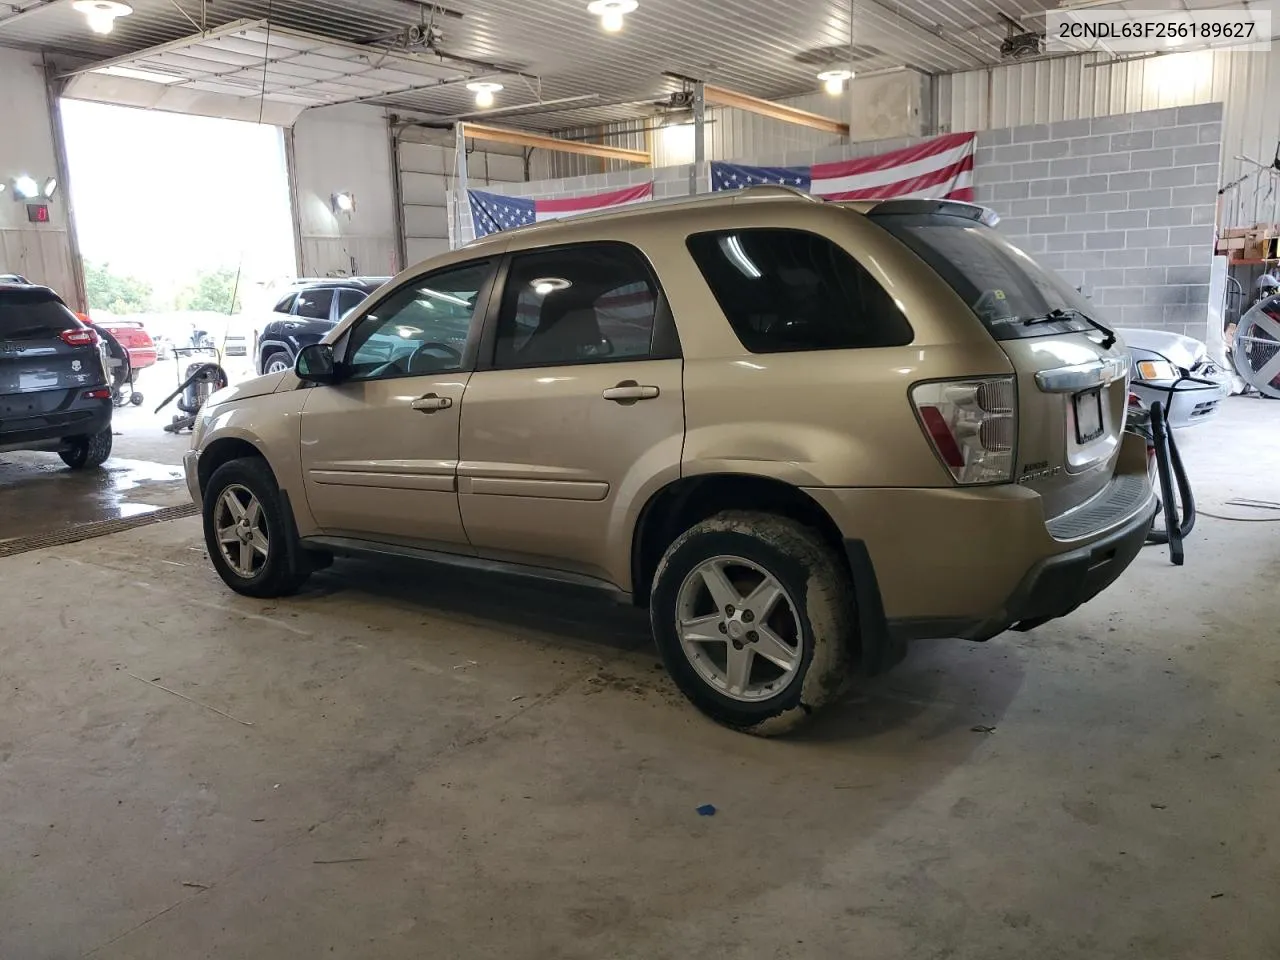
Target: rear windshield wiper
[(1058, 314)]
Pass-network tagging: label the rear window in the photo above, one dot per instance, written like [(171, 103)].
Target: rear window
[(31, 316), (1002, 285), (789, 290)]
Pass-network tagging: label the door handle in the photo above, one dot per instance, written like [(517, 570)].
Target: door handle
[(628, 391), (431, 403)]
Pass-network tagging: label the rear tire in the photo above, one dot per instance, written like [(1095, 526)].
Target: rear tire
[(276, 361), (249, 531), (748, 557), (91, 451)]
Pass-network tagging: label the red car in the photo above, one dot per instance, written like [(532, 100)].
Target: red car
[(135, 339)]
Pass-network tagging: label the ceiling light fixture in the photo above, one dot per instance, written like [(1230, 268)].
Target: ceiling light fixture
[(833, 80), (611, 12), (484, 91), (101, 14), (25, 188), (343, 202), (545, 285)]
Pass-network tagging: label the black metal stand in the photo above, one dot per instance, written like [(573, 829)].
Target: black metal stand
[(1164, 467)]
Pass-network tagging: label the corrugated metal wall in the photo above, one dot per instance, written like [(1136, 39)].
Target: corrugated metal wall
[(1070, 88)]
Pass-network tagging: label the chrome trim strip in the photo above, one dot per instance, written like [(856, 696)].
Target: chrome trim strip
[(1082, 376)]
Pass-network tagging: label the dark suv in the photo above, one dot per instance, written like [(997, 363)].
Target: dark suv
[(54, 391), (305, 315)]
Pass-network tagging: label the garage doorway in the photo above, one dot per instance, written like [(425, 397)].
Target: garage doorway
[(184, 225)]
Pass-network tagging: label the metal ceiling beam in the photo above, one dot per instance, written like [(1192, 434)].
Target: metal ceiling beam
[(721, 97), (479, 131)]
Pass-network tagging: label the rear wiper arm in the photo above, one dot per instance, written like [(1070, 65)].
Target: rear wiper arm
[(1108, 335)]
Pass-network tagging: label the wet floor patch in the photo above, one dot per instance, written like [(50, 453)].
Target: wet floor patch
[(39, 495)]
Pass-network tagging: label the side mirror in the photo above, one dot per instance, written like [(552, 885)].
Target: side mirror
[(315, 364)]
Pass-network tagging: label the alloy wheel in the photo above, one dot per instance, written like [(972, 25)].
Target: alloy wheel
[(739, 628), (242, 531)]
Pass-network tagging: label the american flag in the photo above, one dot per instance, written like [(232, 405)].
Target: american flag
[(491, 212), (941, 168)]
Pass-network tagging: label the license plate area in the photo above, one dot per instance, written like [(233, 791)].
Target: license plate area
[(1088, 410)]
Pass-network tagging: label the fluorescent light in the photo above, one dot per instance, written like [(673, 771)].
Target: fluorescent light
[(344, 202), (50, 186), (25, 188), (731, 247), (101, 14), (833, 80), (133, 73), (611, 12), (484, 91)]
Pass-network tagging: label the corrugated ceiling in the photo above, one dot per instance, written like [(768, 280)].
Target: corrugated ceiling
[(769, 49)]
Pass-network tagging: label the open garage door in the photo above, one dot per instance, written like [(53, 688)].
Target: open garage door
[(427, 177)]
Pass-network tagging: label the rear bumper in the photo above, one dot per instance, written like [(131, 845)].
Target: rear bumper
[(49, 431), (955, 562)]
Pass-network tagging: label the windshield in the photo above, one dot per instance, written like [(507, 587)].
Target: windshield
[(1000, 283)]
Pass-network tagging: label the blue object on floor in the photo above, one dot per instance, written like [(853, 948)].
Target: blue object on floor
[(707, 810)]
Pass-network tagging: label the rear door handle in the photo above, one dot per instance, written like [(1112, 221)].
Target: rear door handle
[(628, 391), (431, 403)]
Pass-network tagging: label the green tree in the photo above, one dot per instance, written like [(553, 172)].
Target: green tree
[(212, 290), (115, 292)]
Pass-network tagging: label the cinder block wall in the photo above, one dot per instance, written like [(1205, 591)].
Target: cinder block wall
[(1123, 207)]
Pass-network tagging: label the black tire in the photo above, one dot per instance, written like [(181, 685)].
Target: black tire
[(84, 452), (286, 565), (274, 355), (135, 398), (811, 573)]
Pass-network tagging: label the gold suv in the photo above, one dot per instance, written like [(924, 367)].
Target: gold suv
[(801, 433)]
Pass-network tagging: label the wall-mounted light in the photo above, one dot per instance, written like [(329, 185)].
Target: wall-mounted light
[(50, 186), (484, 91), (833, 80), (101, 14), (25, 188), (611, 12), (343, 202)]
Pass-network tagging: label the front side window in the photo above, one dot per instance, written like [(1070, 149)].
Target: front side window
[(582, 304), (286, 303), (314, 304), (787, 290), (420, 329)]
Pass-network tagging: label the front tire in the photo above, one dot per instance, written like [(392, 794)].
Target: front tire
[(91, 451), (276, 361), (754, 618), (249, 531)]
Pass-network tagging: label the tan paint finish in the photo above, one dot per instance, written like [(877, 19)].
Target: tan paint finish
[(550, 473), (553, 473), (372, 465)]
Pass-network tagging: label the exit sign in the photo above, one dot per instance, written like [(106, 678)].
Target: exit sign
[(38, 212)]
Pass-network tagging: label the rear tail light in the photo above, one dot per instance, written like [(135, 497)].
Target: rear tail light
[(100, 393), (972, 424), (78, 337)]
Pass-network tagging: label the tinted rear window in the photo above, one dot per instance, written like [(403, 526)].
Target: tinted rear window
[(786, 290), (30, 316), (1001, 284)]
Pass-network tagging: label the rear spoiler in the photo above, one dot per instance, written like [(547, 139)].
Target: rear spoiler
[(946, 208)]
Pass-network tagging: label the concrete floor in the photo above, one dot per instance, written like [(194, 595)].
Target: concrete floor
[(415, 763)]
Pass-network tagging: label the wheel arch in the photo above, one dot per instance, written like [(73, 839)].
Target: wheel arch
[(224, 450), (683, 502)]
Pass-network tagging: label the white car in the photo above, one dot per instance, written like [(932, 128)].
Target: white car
[(1177, 371)]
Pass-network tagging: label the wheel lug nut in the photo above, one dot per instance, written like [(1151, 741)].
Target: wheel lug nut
[(748, 616), (728, 611), (723, 628), (752, 636)]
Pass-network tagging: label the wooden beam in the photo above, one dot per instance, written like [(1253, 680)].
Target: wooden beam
[(479, 131), (775, 111)]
